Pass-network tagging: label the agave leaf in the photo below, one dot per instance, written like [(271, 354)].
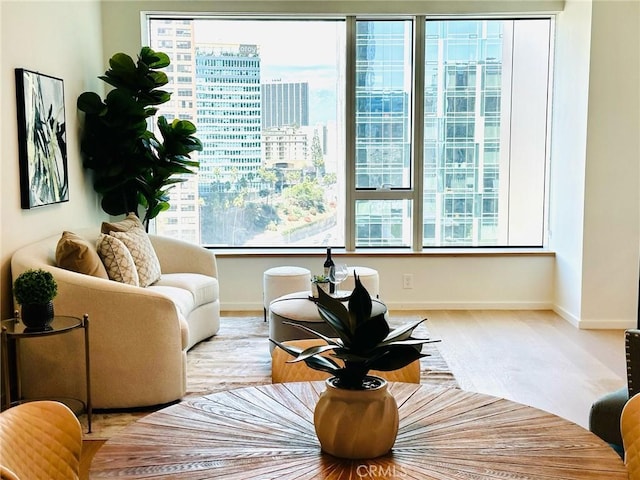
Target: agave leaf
[(329, 340), (370, 333), (315, 350), (407, 342), (404, 331), (396, 358), (359, 305), (318, 362), (322, 364)]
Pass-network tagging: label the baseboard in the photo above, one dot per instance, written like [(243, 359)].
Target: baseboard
[(613, 324), (400, 306)]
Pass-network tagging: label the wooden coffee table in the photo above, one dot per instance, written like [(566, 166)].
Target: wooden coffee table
[(267, 432)]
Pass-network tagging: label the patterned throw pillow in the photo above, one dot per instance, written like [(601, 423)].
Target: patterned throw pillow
[(117, 260), (143, 254), (78, 255), (131, 221)]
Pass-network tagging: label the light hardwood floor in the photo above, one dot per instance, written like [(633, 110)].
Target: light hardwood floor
[(531, 357)]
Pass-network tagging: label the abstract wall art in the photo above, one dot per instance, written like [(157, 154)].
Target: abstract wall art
[(42, 139)]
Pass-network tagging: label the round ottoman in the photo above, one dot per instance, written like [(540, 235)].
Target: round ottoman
[(280, 280), (298, 308), (368, 277)]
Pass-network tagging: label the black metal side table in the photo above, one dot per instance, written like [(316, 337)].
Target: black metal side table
[(14, 330)]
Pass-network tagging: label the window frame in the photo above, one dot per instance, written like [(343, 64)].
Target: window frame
[(415, 192)]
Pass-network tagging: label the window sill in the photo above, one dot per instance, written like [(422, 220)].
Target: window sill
[(386, 252)]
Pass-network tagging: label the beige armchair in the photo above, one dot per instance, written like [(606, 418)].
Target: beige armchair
[(138, 336)]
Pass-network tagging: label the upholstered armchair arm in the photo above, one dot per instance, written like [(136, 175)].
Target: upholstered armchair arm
[(178, 256)]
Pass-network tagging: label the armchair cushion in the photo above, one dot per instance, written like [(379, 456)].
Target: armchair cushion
[(203, 288)]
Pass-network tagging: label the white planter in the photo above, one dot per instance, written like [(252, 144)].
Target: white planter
[(315, 285), (356, 424)]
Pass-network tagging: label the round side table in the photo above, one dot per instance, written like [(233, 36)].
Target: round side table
[(14, 331)]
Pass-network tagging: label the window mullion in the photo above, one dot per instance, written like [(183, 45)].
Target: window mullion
[(417, 143), (350, 135)]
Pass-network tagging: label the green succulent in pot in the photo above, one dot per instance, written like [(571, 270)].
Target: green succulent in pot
[(35, 286), (34, 290), (362, 343)]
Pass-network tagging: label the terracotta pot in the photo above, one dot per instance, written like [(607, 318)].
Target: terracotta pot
[(36, 315), (356, 424)]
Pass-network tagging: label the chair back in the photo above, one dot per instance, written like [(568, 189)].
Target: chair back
[(40, 440), (281, 371), (632, 353)]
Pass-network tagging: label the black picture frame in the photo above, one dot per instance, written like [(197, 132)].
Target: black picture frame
[(44, 175)]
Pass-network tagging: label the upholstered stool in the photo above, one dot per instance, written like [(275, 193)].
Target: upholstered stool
[(298, 308), (280, 280), (281, 371), (368, 277)]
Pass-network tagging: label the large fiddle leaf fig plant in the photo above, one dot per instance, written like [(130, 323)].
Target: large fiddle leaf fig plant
[(132, 168)]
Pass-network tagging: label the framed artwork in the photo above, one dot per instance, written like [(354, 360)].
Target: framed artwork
[(42, 139)]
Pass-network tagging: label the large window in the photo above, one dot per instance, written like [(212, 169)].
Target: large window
[(360, 132)]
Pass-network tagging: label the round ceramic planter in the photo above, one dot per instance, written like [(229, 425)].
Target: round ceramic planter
[(356, 424), (36, 315)]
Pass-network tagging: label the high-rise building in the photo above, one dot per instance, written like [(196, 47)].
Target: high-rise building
[(175, 37), (285, 104), (228, 111), (462, 141), (462, 134)]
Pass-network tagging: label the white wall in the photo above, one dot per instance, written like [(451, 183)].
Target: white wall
[(59, 39), (595, 158), (440, 281)]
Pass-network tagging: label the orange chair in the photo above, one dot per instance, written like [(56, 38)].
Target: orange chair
[(40, 440), (630, 429), (281, 371)]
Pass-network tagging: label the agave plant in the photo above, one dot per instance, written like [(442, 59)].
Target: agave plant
[(363, 342)]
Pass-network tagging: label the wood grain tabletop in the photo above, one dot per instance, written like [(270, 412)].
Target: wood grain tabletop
[(267, 432)]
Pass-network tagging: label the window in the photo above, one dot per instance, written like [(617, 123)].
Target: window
[(281, 165)]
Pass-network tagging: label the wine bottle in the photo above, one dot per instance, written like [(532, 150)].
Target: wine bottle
[(328, 263)]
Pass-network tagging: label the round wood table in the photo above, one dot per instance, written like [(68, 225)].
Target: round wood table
[(267, 432)]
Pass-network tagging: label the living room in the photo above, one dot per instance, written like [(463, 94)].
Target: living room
[(578, 274), (587, 272)]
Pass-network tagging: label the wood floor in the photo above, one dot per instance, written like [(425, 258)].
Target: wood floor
[(531, 357)]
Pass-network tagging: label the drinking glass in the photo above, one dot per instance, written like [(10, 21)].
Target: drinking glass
[(338, 274)]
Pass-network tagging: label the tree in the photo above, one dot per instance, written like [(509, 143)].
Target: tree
[(131, 166)]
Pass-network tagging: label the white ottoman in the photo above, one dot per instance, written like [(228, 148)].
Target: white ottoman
[(278, 281), (368, 277), (299, 309)]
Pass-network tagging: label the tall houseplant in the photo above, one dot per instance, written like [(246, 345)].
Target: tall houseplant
[(132, 168), (356, 417)]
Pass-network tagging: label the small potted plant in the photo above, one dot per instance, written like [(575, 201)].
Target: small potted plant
[(319, 282), (354, 401), (34, 291)]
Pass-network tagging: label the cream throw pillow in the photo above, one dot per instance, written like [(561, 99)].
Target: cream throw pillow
[(78, 255), (143, 254), (117, 260), (132, 233), (128, 223)]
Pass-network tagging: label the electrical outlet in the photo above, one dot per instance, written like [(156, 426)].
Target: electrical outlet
[(407, 280)]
